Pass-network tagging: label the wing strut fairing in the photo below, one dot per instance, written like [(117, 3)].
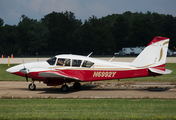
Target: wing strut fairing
[(55, 74)]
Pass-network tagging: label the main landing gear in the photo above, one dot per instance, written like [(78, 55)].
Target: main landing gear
[(64, 87), (32, 86), (76, 86)]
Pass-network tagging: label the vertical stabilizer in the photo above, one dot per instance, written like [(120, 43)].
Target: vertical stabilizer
[(154, 54)]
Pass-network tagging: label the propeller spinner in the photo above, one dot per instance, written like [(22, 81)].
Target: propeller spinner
[(25, 71)]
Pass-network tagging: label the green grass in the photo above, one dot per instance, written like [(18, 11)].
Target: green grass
[(87, 109), (4, 76)]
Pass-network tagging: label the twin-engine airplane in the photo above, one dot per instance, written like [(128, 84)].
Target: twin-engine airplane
[(63, 69)]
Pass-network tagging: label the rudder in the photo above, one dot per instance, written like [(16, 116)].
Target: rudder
[(154, 54)]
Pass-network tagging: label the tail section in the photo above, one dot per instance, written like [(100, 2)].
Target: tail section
[(154, 56)]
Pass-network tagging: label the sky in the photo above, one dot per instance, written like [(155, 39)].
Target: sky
[(11, 10)]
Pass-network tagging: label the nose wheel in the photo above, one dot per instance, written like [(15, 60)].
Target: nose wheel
[(32, 86)]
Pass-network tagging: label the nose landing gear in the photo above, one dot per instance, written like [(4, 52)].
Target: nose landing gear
[(32, 86)]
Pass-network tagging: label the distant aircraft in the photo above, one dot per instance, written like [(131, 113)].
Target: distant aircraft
[(63, 69)]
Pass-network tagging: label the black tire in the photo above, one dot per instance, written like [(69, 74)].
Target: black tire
[(64, 88), (32, 86), (76, 85)]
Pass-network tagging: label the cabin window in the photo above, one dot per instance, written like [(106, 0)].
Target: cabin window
[(87, 64), (51, 61), (63, 62), (60, 62), (76, 63), (67, 62)]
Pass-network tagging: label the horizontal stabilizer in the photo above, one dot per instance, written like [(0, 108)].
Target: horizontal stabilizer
[(160, 71)]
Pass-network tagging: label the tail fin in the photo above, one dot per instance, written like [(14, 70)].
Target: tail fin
[(154, 54)]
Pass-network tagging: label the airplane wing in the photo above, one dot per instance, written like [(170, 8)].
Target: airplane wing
[(56, 74)]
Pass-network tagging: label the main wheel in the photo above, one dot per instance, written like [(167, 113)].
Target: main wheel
[(77, 85), (32, 86), (64, 88)]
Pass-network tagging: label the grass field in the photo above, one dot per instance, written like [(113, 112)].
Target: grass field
[(87, 109), (4, 76)]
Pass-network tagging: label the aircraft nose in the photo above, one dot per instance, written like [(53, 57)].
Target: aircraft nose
[(10, 70), (14, 69)]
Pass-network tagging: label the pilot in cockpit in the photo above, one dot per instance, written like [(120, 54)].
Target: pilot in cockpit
[(60, 62)]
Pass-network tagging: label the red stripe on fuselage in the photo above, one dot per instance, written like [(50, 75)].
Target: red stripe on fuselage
[(33, 75), (95, 75), (19, 74)]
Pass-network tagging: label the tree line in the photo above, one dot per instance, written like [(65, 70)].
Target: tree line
[(61, 32)]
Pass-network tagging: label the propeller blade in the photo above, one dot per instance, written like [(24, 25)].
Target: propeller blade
[(26, 77), (24, 70)]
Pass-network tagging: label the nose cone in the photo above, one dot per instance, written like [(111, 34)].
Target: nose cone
[(23, 68), (14, 69), (9, 70)]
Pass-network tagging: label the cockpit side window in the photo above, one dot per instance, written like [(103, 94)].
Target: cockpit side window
[(87, 64), (76, 63), (63, 62), (52, 61), (67, 62), (60, 62)]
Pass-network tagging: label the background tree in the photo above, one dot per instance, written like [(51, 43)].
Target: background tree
[(33, 36), (61, 32), (1, 22), (61, 27), (120, 31)]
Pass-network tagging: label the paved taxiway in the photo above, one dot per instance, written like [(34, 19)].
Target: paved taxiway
[(89, 91)]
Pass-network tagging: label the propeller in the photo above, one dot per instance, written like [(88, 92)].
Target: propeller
[(26, 75), (25, 71)]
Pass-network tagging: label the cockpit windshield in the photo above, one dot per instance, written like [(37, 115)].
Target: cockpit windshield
[(52, 61)]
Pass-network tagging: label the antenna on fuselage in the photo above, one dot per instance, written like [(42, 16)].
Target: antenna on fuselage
[(111, 59), (90, 54), (23, 62), (37, 56)]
